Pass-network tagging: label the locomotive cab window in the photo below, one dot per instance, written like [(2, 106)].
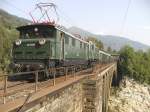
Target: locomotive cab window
[(27, 32)]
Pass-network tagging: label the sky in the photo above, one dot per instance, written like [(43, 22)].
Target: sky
[(127, 18)]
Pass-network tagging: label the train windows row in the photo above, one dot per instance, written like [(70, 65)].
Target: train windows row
[(81, 44), (73, 42)]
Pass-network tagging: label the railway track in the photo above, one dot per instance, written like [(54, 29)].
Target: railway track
[(22, 89), (12, 84)]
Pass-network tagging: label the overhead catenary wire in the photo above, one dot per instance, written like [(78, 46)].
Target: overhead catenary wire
[(66, 18), (125, 17)]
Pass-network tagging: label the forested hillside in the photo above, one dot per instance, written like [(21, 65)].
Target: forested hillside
[(8, 23)]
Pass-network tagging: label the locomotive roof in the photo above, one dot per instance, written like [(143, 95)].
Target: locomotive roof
[(71, 35), (33, 25)]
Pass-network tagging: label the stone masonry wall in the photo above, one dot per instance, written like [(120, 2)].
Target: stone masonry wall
[(87, 95), (99, 95), (67, 100), (92, 95)]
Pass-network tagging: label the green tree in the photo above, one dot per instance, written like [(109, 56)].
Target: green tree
[(135, 64), (8, 33), (109, 49), (6, 37), (97, 42)]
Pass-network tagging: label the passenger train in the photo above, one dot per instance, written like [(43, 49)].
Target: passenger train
[(46, 45)]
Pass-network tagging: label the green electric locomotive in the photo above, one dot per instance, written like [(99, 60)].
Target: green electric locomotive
[(44, 46)]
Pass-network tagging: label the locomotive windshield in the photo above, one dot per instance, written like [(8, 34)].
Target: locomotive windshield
[(36, 31)]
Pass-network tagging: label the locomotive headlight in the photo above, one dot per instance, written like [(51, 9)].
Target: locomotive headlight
[(18, 42), (42, 41)]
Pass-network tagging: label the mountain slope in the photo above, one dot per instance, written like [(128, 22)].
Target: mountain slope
[(11, 20), (115, 42)]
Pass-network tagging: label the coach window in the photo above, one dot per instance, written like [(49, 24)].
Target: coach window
[(84, 46), (73, 42), (92, 47), (66, 39), (80, 44)]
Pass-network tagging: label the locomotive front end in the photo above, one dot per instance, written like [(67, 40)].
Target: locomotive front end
[(32, 50)]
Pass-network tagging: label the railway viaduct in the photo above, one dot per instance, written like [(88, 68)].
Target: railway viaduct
[(82, 93)]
